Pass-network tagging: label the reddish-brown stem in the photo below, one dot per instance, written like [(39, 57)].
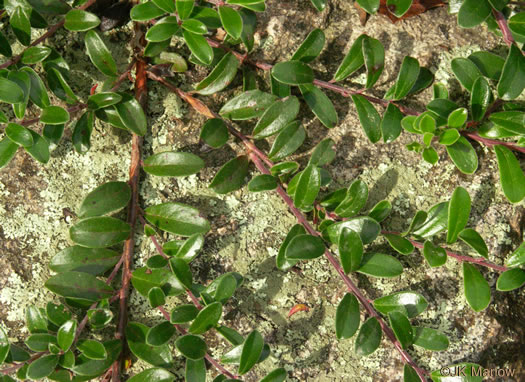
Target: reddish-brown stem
[(211, 360), (349, 283), (51, 31), (492, 142), (458, 257), (504, 27)]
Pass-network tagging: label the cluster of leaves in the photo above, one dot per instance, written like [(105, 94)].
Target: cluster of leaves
[(54, 337)]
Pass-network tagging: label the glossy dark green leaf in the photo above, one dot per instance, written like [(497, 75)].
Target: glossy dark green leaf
[(380, 265), (288, 141), (367, 228), (368, 338), (166, 5), (78, 20), (36, 321), (263, 182), (57, 314), (40, 148), (480, 98), (143, 279), (247, 105), (225, 288), (42, 367), (79, 285), (92, 349), (160, 334), (282, 262), (191, 346), (320, 105), (477, 289), (434, 255), (59, 86), (381, 210), (195, 370), (511, 175), (369, 117), (475, 241), (293, 73), (190, 248), (184, 8), (277, 375), (465, 71), (35, 54), (401, 328), (511, 279), (38, 92), (104, 99), (157, 261), (406, 78), (489, 64), (512, 80), (153, 375), (391, 123), (231, 176), (430, 339), (183, 313), (66, 334), (19, 134), (399, 243), (305, 247), (214, 133), (350, 250), (5, 47), (19, 22), (90, 368), (181, 270), (99, 232), (458, 117), (207, 318), (517, 257), (354, 201), (458, 213), (409, 303), (170, 163), (276, 117), (54, 115), (199, 47), (279, 89), (194, 26), (156, 297), (160, 356), (463, 155), (449, 136), (220, 77), (370, 6), (145, 11), (409, 374), (319, 5), (95, 261), (231, 21), (435, 221), (99, 54), (311, 47), (347, 317), (131, 114), (398, 7), (10, 92), (4, 345), (353, 60), (251, 351), (177, 218), (308, 187), (473, 12), (512, 121), (323, 153), (374, 56), (40, 341), (107, 198), (99, 318), (164, 29)]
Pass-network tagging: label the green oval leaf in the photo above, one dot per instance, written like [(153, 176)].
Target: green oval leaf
[(367, 228), (473, 12), (282, 262), (512, 80), (183, 313), (231, 21), (480, 98), (463, 155), (511, 176), (308, 187), (353, 60), (380, 265), (79, 285), (374, 55), (434, 255), (369, 117), (263, 182), (199, 47), (475, 241), (510, 280), (160, 356), (99, 232), (207, 318), (35, 54), (214, 133), (107, 198), (251, 351), (66, 334), (153, 375), (293, 73), (19, 134), (160, 334), (288, 141), (42, 367), (311, 47), (92, 349), (231, 176), (170, 163), (401, 328), (368, 338), (104, 99), (430, 339), (10, 92), (409, 303), (220, 77), (156, 297), (320, 105), (399, 243), (192, 347), (354, 201), (347, 317), (247, 105), (164, 29), (99, 54), (477, 290), (78, 20), (458, 213), (276, 117), (177, 218), (95, 261), (350, 250), (305, 247)]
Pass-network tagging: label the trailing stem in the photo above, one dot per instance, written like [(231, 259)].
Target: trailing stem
[(261, 160)]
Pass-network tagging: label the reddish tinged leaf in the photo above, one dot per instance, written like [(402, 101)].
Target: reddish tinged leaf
[(298, 308), (418, 7)]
